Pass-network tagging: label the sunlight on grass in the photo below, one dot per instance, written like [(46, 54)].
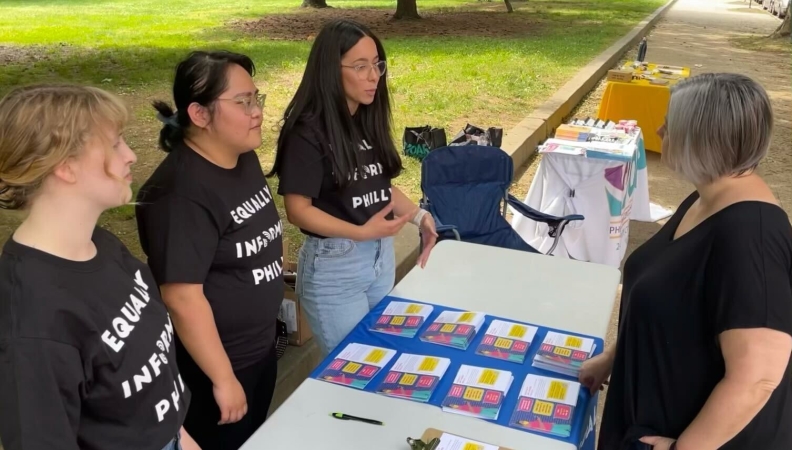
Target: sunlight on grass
[(131, 47)]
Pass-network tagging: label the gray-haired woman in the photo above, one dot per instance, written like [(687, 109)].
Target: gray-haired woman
[(702, 360)]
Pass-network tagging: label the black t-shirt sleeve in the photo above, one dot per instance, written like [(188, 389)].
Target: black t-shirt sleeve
[(182, 237), (302, 168), (40, 382), (749, 278)]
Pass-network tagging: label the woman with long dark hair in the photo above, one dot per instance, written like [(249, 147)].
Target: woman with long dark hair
[(213, 238), (335, 161)]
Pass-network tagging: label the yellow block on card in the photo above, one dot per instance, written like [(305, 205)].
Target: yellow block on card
[(557, 391), (472, 446), (573, 342), (375, 356), (466, 317), (473, 394), (488, 377), (428, 364), (518, 331), (414, 309)]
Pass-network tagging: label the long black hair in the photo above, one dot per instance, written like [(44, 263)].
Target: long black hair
[(201, 78), (321, 96)]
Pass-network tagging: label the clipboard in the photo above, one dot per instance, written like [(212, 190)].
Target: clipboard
[(432, 433)]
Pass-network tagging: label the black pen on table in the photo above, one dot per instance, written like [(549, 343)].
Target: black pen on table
[(343, 416)]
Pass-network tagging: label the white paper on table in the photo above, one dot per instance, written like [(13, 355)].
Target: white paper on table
[(420, 364), (476, 319), (480, 377), (408, 309), (366, 354), (551, 389), (452, 442), (511, 330), (569, 341)]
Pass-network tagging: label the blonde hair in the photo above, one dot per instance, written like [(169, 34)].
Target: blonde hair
[(718, 125), (41, 126)]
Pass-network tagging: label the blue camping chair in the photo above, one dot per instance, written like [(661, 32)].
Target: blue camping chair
[(466, 188)]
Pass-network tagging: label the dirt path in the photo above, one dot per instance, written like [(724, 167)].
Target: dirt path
[(703, 35)]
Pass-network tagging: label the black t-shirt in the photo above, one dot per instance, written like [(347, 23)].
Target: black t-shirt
[(86, 354), (203, 224), (307, 170), (732, 271)]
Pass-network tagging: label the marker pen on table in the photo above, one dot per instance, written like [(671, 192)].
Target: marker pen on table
[(343, 416)]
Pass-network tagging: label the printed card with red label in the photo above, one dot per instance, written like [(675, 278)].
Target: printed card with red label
[(563, 353), (414, 377), (478, 392), (507, 340), (357, 365), (454, 329), (546, 405), (402, 319)]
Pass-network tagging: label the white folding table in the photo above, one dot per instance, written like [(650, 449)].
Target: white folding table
[(543, 290)]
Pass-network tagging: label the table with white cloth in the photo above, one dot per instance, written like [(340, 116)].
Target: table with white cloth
[(522, 286), (608, 191)]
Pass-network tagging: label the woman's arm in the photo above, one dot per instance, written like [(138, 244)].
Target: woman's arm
[(301, 213), (756, 360), (402, 205), (40, 401), (194, 321)]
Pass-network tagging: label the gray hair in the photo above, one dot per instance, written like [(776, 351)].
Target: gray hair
[(718, 124)]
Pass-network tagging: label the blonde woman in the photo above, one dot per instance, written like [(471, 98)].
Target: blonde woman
[(86, 354)]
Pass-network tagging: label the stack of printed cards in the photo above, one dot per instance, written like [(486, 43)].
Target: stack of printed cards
[(402, 319), (507, 340), (414, 377), (478, 392), (454, 329), (356, 365), (546, 405), (563, 353)]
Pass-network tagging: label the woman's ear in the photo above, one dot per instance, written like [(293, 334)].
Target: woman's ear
[(199, 115), (66, 171)]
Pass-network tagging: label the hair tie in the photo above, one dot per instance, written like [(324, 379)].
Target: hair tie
[(172, 120)]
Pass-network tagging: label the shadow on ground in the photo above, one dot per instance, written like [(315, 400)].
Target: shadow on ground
[(489, 20)]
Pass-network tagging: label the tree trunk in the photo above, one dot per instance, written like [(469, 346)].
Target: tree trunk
[(314, 4), (406, 9), (508, 6), (784, 29)]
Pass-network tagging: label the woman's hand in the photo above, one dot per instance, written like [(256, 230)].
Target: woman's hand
[(658, 443), (428, 238), (187, 442), (596, 370), (231, 400), (378, 226)]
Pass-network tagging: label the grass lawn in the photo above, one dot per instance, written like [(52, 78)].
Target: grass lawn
[(489, 71)]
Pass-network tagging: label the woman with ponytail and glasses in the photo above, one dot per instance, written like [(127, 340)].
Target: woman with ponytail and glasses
[(87, 360), (335, 162), (213, 238)]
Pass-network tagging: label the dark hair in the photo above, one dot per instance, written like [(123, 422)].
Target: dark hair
[(201, 78), (321, 96)]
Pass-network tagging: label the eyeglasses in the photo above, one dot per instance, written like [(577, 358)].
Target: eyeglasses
[(363, 70), (249, 102)]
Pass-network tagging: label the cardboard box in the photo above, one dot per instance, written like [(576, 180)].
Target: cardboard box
[(291, 311), (624, 76)]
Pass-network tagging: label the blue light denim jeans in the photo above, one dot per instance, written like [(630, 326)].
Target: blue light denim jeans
[(174, 444), (339, 281)]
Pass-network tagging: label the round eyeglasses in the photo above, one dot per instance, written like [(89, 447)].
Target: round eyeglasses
[(363, 70), (249, 102)]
